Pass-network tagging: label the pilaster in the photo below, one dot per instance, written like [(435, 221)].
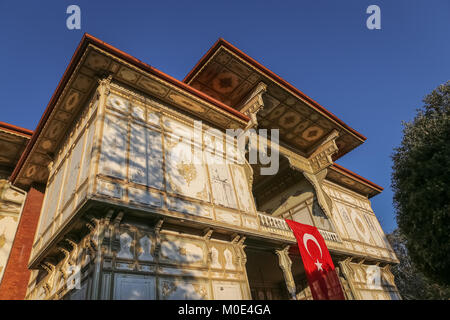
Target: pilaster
[(285, 264)]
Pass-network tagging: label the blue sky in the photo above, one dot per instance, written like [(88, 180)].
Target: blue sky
[(371, 79)]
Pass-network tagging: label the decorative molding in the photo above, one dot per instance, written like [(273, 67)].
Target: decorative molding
[(253, 103), (285, 263), (324, 201), (157, 230), (322, 157), (207, 233)]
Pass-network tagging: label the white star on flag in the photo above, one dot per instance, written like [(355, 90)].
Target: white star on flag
[(318, 265)]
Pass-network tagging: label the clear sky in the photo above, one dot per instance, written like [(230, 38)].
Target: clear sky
[(371, 79)]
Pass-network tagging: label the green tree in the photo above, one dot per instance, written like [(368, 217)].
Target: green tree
[(421, 184), (411, 283)]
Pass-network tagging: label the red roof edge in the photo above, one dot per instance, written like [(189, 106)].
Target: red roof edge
[(357, 176), (203, 59), (85, 41), (49, 108), (256, 64), (178, 83), (16, 129)]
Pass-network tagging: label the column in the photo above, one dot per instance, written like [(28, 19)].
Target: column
[(285, 264)]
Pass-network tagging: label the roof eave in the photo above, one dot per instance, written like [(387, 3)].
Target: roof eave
[(256, 64), (85, 41), (378, 189), (16, 129)]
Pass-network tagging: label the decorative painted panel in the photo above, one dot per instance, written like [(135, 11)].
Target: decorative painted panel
[(144, 197), (302, 215), (185, 172), (126, 246), (182, 250), (228, 217), (110, 189), (381, 233), (338, 222), (221, 185), (347, 222), (73, 170), (226, 290), (145, 248), (114, 145), (371, 282), (146, 157), (356, 222), (360, 226), (53, 199), (87, 154), (189, 207), (242, 189), (320, 219), (118, 103), (134, 287), (138, 112), (371, 222), (180, 131), (250, 222), (171, 289)]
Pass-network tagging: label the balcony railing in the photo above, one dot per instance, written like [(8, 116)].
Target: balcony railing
[(275, 225), (280, 227)]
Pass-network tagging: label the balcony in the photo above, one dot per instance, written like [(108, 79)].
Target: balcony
[(279, 227)]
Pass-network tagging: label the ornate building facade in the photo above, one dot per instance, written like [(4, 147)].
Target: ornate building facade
[(132, 207), (12, 143)]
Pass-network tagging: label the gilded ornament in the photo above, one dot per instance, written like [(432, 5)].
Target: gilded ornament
[(2, 240), (187, 171)]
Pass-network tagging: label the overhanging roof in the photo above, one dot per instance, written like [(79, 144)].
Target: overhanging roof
[(228, 74), (353, 181), (91, 59), (13, 140)]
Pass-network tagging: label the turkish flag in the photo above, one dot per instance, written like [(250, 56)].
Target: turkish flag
[(322, 278)]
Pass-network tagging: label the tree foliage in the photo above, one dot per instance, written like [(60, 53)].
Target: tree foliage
[(411, 283), (421, 181)]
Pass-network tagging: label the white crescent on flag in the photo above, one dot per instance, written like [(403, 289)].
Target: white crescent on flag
[(307, 237)]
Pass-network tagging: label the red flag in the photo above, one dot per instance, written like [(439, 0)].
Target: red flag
[(322, 278)]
